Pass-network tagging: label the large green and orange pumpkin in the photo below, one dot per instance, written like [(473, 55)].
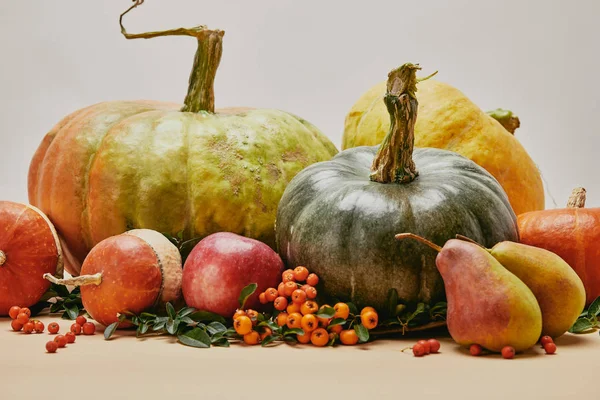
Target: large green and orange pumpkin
[(339, 217), (119, 165)]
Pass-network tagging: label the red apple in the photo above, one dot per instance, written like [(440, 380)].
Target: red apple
[(221, 265)]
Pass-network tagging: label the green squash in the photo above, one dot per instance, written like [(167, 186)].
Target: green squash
[(338, 218)]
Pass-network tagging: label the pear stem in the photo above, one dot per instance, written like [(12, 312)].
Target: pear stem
[(81, 280), (434, 246), (468, 239), (507, 119), (577, 198), (2, 258)]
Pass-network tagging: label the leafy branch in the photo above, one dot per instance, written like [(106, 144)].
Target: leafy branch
[(588, 319), (60, 300)]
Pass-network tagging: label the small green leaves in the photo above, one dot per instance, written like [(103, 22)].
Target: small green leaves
[(268, 340), (246, 293), (581, 325), (108, 332), (205, 316), (171, 311), (588, 319), (293, 331), (337, 321), (594, 308), (195, 337), (216, 327), (325, 312), (362, 333), (59, 299)]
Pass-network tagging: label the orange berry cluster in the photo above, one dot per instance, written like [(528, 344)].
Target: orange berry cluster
[(425, 347), (21, 321)]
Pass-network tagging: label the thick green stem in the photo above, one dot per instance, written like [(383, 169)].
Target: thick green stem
[(201, 95), (393, 162), (507, 119), (81, 280), (577, 199), (2, 258)]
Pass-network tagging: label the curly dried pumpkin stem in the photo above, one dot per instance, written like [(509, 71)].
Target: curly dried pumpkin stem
[(81, 280), (2, 258), (201, 94), (507, 119), (434, 246), (577, 198), (393, 162)]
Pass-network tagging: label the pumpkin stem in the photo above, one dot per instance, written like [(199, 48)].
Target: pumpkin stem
[(2, 258), (507, 119), (201, 94), (434, 246), (576, 200), (393, 162), (81, 280)]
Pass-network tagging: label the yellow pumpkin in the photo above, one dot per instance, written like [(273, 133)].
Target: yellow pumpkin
[(449, 120)]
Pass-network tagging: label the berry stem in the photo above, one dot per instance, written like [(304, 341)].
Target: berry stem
[(81, 280)]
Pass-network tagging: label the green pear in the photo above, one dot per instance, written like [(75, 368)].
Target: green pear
[(557, 288)]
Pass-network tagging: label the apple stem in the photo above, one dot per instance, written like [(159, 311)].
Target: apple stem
[(81, 280), (2, 258), (434, 246)]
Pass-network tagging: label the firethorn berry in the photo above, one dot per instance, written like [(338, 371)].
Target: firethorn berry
[(288, 276), (319, 337), (23, 318), (282, 318), (70, 337), (38, 326), (298, 296), (81, 320), (292, 308), (76, 328), (304, 339), (323, 322), (25, 310), (311, 292), (14, 312), (309, 323), (369, 319), (253, 315), (263, 298), (61, 340), (251, 338), (434, 345), (348, 337), (475, 350), (51, 346), (508, 352), (271, 294), (550, 348), (366, 309), (289, 287), (89, 328), (265, 333), (336, 329), (53, 328), (312, 279), (300, 273), (239, 313), (286, 272), (16, 325), (419, 350), (294, 320), (546, 339), (242, 325), (341, 310), (28, 327), (425, 345), (281, 289), (280, 303), (309, 307)]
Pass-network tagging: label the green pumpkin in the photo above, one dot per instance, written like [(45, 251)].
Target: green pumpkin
[(339, 218), (189, 170)]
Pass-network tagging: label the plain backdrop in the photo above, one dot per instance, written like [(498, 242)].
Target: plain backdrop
[(540, 58)]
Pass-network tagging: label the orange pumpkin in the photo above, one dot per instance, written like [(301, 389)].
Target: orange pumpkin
[(573, 233)]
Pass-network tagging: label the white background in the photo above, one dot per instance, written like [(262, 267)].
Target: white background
[(313, 58)]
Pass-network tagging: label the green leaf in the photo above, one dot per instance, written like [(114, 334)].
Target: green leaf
[(72, 311), (270, 324), (581, 325), (594, 308), (223, 342), (108, 332), (268, 340), (352, 307), (206, 316), (294, 331), (143, 328), (216, 327), (337, 321), (420, 309), (196, 338), (172, 326), (185, 311), (246, 292), (392, 301), (362, 332), (325, 312), (60, 290), (187, 320), (171, 311), (56, 307)]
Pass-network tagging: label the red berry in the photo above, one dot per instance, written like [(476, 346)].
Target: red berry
[(14, 312), (418, 350), (51, 346), (61, 340), (550, 348), (508, 352), (425, 345), (23, 318), (28, 327), (81, 320), (16, 325), (25, 310), (89, 328), (76, 328), (70, 337), (475, 350), (546, 339), (38, 326), (53, 328), (312, 280), (434, 345)]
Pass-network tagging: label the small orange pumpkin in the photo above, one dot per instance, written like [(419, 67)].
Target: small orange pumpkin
[(573, 233)]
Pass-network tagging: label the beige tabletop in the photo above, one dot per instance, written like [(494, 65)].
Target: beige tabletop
[(160, 368)]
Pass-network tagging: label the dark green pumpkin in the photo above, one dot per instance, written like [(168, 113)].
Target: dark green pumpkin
[(338, 219)]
